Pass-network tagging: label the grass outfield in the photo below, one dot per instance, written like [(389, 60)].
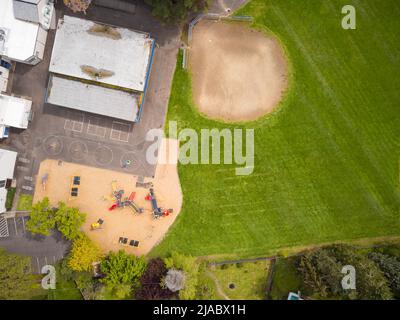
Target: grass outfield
[(327, 164)]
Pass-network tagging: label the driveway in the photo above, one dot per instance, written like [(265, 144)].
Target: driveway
[(42, 250)]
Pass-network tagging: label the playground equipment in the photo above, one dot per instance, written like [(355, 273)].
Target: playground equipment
[(158, 212), (121, 202), (44, 181), (97, 225)]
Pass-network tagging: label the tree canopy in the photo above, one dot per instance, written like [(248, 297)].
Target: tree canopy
[(67, 220), (83, 253), (122, 270), (390, 266), (15, 278), (321, 273), (175, 280), (150, 282), (42, 218), (176, 10), (190, 268)]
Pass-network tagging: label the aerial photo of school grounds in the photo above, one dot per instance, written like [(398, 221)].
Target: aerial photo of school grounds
[(317, 84)]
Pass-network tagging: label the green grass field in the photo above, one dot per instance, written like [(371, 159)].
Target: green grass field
[(249, 280), (327, 164), (25, 202)]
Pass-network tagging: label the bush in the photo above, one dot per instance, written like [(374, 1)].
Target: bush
[(10, 198)]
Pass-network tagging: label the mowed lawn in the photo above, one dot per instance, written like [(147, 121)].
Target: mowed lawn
[(327, 164)]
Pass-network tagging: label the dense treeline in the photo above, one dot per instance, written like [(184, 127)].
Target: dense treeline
[(377, 273)]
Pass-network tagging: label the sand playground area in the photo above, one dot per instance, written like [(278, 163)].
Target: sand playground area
[(238, 74), (95, 197)]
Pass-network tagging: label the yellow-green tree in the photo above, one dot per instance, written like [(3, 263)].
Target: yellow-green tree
[(83, 253)]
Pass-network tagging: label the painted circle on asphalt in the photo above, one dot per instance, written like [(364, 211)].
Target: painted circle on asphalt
[(53, 145), (78, 150), (103, 155), (129, 161), (25, 138)]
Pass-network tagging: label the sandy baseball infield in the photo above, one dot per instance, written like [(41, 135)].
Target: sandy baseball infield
[(94, 198), (238, 74)]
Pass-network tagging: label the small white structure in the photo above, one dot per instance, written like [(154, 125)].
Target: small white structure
[(99, 68), (14, 112), (23, 29), (4, 74), (7, 165)]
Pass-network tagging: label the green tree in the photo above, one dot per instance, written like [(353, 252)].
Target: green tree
[(321, 273), (15, 279), (121, 269), (42, 218), (83, 253), (311, 276), (390, 266), (190, 267), (371, 283), (69, 221), (176, 10)]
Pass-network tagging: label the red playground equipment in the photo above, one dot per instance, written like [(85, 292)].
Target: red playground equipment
[(121, 202), (157, 211)]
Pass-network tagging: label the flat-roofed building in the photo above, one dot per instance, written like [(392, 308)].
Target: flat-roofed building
[(14, 112), (24, 26), (99, 68)]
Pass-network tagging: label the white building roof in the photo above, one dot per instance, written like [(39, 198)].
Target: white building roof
[(20, 39), (92, 98), (14, 111), (122, 54), (7, 164)]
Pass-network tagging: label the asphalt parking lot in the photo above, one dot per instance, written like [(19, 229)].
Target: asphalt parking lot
[(42, 250), (73, 136)]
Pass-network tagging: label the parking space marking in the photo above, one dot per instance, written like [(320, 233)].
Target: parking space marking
[(15, 224), (23, 224), (120, 131), (38, 265), (94, 127)]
